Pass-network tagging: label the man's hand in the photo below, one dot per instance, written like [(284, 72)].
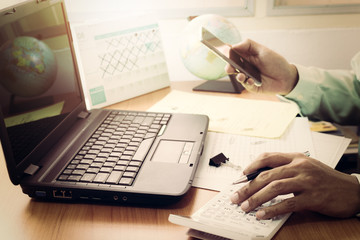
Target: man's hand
[(315, 186), (277, 75)]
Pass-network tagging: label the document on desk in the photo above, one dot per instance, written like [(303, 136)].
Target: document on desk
[(243, 150), (257, 118), (120, 59), (329, 148)]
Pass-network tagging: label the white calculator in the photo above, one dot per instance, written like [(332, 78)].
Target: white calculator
[(221, 219)]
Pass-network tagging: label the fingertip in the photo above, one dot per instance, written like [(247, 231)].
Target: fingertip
[(250, 81), (261, 214), (235, 198), (245, 206), (241, 78)]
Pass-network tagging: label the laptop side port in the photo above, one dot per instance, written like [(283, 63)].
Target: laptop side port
[(40, 193), (62, 194)]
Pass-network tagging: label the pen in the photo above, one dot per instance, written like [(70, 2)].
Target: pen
[(251, 176)]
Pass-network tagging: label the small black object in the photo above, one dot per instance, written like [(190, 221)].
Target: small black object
[(218, 159), (232, 86)]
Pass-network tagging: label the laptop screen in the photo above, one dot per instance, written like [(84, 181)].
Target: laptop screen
[(38, 86)]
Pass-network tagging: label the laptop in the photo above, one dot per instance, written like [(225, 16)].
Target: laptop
[(56, 149)]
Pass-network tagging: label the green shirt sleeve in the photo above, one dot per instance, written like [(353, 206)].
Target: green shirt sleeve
[(329, 95)]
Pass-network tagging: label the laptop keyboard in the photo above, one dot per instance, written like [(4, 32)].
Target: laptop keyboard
[(115, 152)]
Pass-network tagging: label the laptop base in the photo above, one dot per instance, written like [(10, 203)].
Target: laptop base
[(67, 195)]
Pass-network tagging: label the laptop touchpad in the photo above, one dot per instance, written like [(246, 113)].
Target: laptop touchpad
[(173, 151)]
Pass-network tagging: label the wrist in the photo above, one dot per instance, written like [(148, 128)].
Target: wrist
[(294, 77), (357, 176), (291, 79)]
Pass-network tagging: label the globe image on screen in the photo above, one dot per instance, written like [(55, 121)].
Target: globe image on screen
[(200, 61), (27, 66)]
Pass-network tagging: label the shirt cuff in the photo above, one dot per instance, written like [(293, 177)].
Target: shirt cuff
[(306, 91), (357, 176)]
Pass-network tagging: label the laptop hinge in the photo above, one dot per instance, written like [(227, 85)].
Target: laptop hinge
[(83, 114), (31, 170)]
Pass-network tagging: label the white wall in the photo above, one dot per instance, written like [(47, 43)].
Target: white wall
[(323, 47), (327, 41)]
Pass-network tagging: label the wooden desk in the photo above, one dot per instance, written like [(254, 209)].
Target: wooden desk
[(23, 218)]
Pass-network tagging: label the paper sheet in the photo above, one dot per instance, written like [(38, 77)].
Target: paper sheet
[(232, 115), (329, 148), (242, 150)]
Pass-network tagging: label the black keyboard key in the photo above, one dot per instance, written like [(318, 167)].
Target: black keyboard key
[(90, 156), (74, 178), (123, 162), (126, 181), (78, 172), (106, 150), (128, 153), (109, 164), (143, 149), (135, 163), (132, 169), (101, 177), (147, 121), (63, 177), (112, 159), (86, 161), (106, 169), (96, 165), (120, 168), (97, 147), (116, 154), (104, 154), (76, 162), (88, 177), (82, 166), (129, 174), (71, 166), (119, 118), (126, 157), (67, 171), (100, 159), (93, 170), (114, 177), (138, 119)]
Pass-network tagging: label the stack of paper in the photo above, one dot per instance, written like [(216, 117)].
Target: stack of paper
[(242, 150), (242, 129), (329, 148), (233, 115)]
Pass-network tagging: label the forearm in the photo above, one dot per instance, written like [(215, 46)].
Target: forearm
[(331, 95)]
